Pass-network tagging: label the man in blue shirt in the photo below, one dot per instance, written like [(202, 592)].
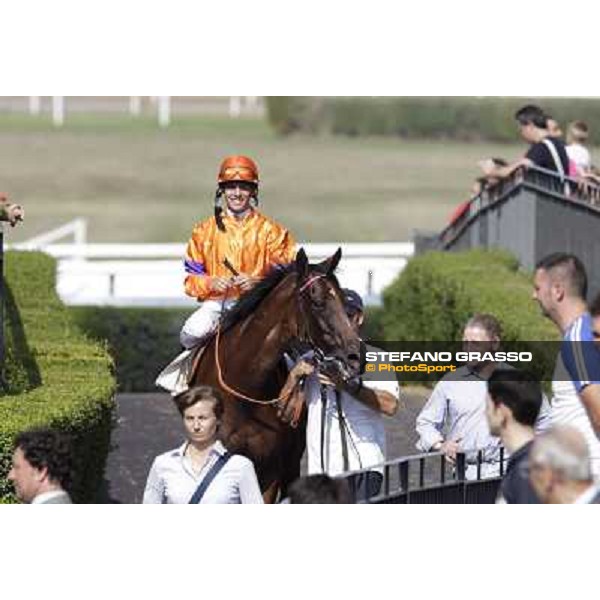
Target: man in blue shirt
[(560, 288)]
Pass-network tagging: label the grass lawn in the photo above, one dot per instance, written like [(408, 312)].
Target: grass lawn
[(136, 183)]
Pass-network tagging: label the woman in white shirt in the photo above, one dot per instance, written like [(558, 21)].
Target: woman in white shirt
[(201, 470), (577, 137)]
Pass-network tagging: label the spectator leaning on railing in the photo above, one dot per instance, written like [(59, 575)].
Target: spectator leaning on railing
[(13, 213), (579, 155), (546, 151), (553, 127)]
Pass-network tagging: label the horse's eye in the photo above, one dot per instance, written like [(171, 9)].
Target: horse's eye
[(316, 296)]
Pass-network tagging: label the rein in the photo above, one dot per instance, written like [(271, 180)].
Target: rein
[(237, 393)]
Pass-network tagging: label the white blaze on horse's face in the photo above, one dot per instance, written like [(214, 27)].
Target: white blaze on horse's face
[(200, 422), (335, 333)]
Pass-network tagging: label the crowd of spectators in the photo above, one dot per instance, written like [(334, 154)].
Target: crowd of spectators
[(553, 448), (547, 150), (454, 418), (564, 433)]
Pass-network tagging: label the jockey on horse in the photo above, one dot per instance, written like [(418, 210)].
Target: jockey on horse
[(228, 254)]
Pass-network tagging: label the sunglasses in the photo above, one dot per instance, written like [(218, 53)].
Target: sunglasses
[(245, 186)]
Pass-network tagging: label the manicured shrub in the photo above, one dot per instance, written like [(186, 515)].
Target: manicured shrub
[(438, 292), (53, 375)]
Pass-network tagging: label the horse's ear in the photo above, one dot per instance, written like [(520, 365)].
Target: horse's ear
[(330, 265), (302, 263)]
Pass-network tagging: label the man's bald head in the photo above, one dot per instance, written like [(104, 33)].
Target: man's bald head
[(564, 451)]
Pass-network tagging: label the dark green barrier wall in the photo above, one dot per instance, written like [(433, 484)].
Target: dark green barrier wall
[(54, 375), (142, 341)]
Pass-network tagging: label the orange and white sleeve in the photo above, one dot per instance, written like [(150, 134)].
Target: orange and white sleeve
[(197, 281), (282, 247)]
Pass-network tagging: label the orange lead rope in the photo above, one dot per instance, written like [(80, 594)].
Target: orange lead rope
[(217, 343), (230, 389), (222, 383)]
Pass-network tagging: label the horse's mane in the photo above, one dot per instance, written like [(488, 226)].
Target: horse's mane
[(248, 302)]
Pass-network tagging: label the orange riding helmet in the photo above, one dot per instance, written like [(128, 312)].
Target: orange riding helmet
[(238, 168)]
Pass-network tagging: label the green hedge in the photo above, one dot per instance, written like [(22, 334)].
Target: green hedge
[(142, 341), (54, 376), (429, 117), (438, 292)]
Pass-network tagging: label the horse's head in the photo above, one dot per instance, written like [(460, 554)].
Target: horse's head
[(324, 322)]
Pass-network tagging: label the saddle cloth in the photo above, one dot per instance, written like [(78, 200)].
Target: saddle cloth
[(176, 375)]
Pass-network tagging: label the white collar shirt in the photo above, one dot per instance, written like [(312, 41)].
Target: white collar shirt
[(47, 496), (588, 495), (172, 479), (456, 410), (364, 429)]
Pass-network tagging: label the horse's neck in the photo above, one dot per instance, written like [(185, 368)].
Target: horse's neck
[(260, 339)]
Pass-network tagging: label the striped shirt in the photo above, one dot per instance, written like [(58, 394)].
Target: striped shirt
[(577, 366)]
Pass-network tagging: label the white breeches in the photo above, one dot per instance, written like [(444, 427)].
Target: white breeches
[(202, 322)]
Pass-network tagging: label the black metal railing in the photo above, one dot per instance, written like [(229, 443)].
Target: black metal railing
[(534, 178), (431, 479)]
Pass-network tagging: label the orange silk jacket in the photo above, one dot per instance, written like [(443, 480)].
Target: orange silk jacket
[(252, 246)]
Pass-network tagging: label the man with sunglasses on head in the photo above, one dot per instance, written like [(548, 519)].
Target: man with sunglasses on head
[(231, 251)]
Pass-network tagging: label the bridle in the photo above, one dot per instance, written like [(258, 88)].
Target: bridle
[(303, 336)]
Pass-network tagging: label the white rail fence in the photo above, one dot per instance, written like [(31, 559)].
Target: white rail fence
[(162, 106), (152, 274)]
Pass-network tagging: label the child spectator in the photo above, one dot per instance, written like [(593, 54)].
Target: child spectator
[(553, 127), (577, 136)]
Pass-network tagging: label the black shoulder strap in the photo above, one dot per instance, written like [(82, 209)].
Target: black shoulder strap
[(323, 423), (212, 473), (342, 424), (363, 357)]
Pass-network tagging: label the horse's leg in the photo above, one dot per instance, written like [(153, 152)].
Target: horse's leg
[(293, 456)]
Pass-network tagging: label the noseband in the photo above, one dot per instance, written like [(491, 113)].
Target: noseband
[(319, 356)]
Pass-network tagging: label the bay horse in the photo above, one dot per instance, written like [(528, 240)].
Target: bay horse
[(294, 303)]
